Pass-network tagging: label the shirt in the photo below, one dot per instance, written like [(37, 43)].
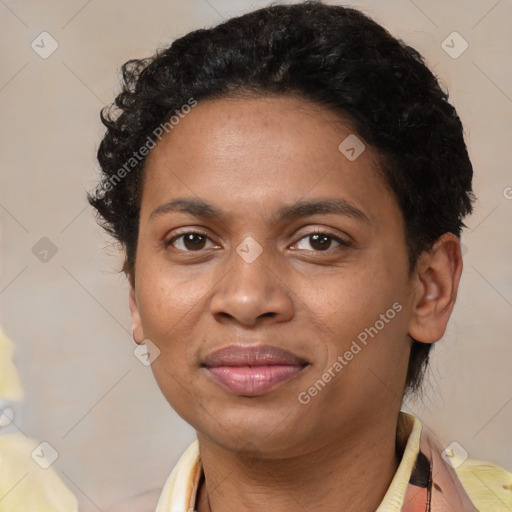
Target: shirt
[(427, 476)]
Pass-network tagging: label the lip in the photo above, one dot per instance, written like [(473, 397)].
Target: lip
[(252, 370)]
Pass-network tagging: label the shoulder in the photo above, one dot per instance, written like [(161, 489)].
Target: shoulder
[(467, 482)]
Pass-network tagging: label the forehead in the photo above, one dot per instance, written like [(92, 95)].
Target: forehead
[(264, 150), (257, 123)]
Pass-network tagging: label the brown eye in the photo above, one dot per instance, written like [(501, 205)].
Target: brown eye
[(320, 241), (188, 242)]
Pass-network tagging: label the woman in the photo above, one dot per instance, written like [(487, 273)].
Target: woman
[(289, 188)]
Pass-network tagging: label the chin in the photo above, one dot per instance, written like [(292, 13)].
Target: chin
[(270, 432)]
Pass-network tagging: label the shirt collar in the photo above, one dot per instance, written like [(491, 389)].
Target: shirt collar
[(180, 490), (408, 434)]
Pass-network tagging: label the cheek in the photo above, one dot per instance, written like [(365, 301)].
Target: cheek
[(177, 387), (364, 321), (163, 301), (169, 310), (350, 300)]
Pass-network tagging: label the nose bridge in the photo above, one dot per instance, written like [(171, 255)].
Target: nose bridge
[(251, 287)]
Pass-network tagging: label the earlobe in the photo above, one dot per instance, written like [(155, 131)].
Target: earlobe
[(437, 279), (137, 332)]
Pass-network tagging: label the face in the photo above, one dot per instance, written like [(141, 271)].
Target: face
[(300, 279)]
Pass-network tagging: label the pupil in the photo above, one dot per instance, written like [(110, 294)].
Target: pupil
[(190, 239), (324, 238)]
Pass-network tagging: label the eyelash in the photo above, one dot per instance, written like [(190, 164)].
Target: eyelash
[(342, 242)]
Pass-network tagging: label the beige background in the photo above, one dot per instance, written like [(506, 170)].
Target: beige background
[(86, 393)]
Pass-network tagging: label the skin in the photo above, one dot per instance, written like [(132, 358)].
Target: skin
[(249, 157)]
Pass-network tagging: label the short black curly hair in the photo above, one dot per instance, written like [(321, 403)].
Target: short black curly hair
[(332, 55)]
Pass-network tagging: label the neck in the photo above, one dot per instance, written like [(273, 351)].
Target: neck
[(351, 473)]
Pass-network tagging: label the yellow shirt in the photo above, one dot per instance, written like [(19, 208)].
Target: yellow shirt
[(459, 484)]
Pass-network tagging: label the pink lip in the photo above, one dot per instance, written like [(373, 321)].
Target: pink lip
[(252, 370)]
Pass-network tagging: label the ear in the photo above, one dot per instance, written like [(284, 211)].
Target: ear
[(436, 277), (137, 332)]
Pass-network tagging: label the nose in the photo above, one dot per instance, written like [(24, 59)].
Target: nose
[(252, 292)]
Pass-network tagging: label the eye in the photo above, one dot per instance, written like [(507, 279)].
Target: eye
[(195, 241), (321, 241), (189, 241)]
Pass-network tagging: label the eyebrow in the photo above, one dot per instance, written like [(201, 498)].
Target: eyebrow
[(200, 208)]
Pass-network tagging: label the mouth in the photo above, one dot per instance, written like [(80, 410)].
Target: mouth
[(252, 370)]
